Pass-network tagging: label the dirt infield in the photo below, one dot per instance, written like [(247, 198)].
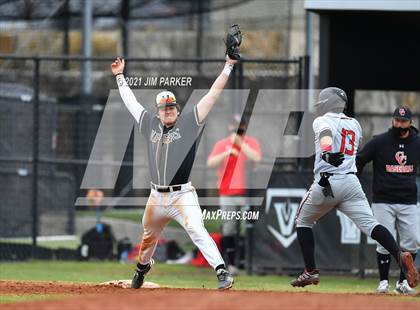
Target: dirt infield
[(87, 296)]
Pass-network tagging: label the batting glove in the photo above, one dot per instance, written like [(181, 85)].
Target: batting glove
[(335, 159)]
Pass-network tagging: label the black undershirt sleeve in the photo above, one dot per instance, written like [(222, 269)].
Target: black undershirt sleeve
[(365, 155)]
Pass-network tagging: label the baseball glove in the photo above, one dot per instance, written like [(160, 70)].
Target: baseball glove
[(233, 41)]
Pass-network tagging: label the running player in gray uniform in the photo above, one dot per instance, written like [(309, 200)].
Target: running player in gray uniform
[(337, 138), (396, 156), (172, 138)]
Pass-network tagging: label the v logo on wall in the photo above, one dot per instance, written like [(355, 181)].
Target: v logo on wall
[(350, 234), (285, 203)]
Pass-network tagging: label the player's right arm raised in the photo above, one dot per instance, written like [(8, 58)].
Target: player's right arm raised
[(130, 101)]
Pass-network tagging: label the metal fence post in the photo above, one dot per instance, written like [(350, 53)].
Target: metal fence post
[(303, 77), (306, 68), (87, 47), (199, 33), (125, 15), (300, 70), (35, 155), (304, 63)]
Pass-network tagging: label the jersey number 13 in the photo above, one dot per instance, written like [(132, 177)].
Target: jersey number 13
[(347, 148)]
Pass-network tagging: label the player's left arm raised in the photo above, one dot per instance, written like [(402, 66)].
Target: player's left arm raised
[(233, 40)]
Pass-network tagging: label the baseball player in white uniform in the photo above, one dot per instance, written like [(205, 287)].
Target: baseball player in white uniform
[(337, 138), (172, 139)]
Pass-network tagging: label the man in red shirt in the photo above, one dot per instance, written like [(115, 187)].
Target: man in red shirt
[(231, 155)]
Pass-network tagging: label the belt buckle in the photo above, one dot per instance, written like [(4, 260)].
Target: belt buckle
[(160, 189), (175, 188)]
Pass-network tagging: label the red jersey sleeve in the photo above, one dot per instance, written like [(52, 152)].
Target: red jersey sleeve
[(218, 148)]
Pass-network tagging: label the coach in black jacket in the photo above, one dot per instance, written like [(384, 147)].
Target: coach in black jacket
[(396, 156)]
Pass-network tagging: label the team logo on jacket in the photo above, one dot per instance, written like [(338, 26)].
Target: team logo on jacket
[(401, 111), (282, 204), (166, 138), (401, 158)]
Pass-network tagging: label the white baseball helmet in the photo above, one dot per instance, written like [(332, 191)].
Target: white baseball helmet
[(165, 99)]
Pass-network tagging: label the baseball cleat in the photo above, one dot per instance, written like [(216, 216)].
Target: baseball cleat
[(409, 269), (383, 287), (225, 279), (404, 288), (139, 274), (306, 278)]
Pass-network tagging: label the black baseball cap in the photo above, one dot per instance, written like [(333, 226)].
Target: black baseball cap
[(403, 113)]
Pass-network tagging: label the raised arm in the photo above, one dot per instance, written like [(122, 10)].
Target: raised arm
[(130, 101), (206, 103), (232, 42)]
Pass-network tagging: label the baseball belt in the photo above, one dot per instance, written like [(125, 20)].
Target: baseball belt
[(169, 189)]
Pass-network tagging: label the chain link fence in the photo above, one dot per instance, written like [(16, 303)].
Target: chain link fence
[(48, 127)]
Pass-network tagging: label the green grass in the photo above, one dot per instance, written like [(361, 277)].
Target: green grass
[(168, 276), (127, 215), (50, 244), (175, 276), (135, 215), (68, 244)]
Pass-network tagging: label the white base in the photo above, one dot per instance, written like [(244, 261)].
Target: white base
[(127, 284)]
